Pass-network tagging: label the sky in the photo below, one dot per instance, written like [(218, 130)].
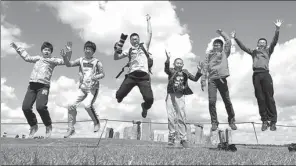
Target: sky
[(186, 29)]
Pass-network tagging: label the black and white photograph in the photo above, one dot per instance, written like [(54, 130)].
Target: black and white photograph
[(148, 82)]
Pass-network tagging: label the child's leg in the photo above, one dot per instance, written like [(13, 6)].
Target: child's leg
[(28, 103), (72, 112), (41, 104), (181, 115), (170, 106), (89, 101), (126, 86)]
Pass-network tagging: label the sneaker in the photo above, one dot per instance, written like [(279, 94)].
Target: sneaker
[(184, 143), (272, 126), (33, 131), (48, 131), (214, 126), (97, 127), (144, 111), (70, 132), (265, 125), (171, 141), (232, 126), (119, 100)]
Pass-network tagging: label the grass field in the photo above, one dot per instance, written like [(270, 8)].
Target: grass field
[(81, 151)]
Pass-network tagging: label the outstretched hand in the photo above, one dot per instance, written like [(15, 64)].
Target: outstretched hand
[(13, 45), (233, 34), (148, 17), (168, 55), (278, 23), (199, 67), (62, 53), (219, 31), (68, 46)]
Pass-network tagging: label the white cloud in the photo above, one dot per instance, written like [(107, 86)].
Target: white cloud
[(10, 33), (104, 22), (7, 92)]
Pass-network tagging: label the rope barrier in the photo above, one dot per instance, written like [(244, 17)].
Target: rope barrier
[(134, 121)]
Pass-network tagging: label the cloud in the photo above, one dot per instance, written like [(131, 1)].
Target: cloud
[(10, 33), (103, 22), (7, 92)]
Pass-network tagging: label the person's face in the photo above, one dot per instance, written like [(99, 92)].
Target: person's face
[(135, 40), (217, 46), (46, 52), (178, 64), (88, 52), (261, 44)]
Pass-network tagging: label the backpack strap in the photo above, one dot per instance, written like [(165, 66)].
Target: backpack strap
[(128, 63), (147, 55), (144, 50)]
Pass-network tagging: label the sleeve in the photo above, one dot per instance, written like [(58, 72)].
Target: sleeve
[(167, 69), (243, 47), (192, 77), (58, 61), (25, 55), (274, 42), (205, 68)]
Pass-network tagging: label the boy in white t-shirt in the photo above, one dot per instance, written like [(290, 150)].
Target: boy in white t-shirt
[(90, 71)]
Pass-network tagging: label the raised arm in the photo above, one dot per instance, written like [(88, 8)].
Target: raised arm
[(100, 72), (24, 54), (197, 75), (227, 45), (67, 62), (240, 44), (149, 32), (167, 69), (275, 39), (204, 67)]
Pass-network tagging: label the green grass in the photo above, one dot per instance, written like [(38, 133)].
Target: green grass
[(132, 152)]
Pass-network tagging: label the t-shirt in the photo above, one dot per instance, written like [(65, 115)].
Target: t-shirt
[(178, 82), (139, 61)]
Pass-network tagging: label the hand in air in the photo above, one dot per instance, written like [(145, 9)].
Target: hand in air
[(233, 34), (148, 17), (278, 23), (62, 53), (68, 46), (14, 46), (168, 54), (219, 31), (199, 67)]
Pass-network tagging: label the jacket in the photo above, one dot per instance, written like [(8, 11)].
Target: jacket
[(260, 57), (215, 65), (171, 71), (43, 68)]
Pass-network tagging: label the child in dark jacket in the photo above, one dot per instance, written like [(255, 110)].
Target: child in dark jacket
[(175, 101)]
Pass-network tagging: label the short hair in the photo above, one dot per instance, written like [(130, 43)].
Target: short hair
[(134, 34), (218, 41), (262, 39), (47, 45), (91, 45), (178, 59)]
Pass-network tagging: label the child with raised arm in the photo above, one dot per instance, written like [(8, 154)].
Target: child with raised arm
[(177, 88), (39, 85), (262, 80), (90, 71), (139, 69), (216, 72)]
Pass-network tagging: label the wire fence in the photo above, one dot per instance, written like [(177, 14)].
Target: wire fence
[(151, 122)]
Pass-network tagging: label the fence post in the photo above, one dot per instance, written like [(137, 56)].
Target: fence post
[(255, 131)]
